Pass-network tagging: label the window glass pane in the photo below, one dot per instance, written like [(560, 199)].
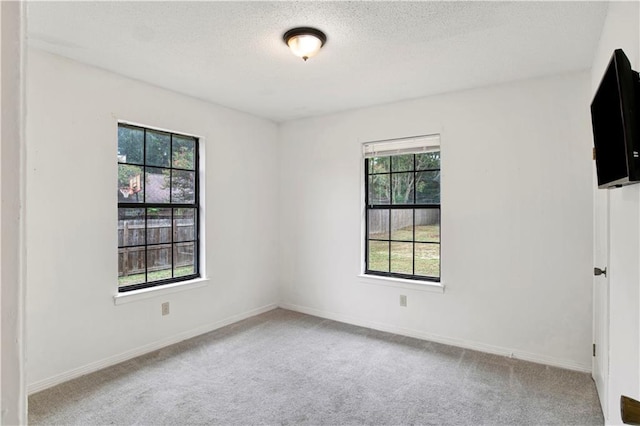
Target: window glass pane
[(183, 187), (402, 163), (402, 186), (157, 185), (183, 152), (402, 224), (428, 260), (428, 187), (428, 225), (156, 243), (158, 225), (379, 165), (185, 224), (130, 184), (402, 258), (158, 262), (184, 259), (130, 145), (379, 189), (413, 235), (428, 160), (131, 265), (158, 149), (130, 227), (378, 256), (379, 224)]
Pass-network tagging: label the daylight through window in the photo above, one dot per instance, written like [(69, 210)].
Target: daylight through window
[(402, 198), (157, 207)]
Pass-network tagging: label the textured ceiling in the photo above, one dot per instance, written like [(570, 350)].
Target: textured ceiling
[(232, 53)]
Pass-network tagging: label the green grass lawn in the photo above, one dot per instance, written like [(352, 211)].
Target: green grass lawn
[(427, 256), (162, 274)]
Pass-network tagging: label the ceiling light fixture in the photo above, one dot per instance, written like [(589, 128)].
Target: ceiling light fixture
[(304, 42)]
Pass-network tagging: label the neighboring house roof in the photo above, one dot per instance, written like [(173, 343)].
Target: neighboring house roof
[(155, 188)]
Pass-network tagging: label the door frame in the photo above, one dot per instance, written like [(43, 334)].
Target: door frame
[(601, 297)]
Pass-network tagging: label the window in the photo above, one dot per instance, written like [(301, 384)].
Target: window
[(402, 197), (157, 207)]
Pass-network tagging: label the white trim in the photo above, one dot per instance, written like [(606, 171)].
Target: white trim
[(430, 286), (428, 142), (416, 144), (23, 413), (202, 208), (115, 359), (462, 343), (147, 293)]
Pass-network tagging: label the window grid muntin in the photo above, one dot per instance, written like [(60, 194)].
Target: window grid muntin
[(172, 206), (390, 207)]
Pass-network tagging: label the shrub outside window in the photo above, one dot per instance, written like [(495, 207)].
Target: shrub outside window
[(158, 235), (402, 197)]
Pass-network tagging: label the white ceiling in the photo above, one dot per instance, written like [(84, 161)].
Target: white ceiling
[(232, 53)]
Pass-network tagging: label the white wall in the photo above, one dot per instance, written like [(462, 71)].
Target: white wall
[(516, 224), (622, 30), (12, 390), (73, 325)]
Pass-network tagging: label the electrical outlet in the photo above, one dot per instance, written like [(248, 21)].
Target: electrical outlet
[(165, 308), (403, 300)]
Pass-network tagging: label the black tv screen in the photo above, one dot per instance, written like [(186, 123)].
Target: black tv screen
[(615, 121)]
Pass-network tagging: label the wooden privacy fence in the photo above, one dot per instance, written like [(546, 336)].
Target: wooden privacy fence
[(131, 233), (379, 219)]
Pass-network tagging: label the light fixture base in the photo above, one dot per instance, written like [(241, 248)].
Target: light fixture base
[(299, 31)]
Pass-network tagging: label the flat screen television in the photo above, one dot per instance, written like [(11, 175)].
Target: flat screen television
[(615, 119)]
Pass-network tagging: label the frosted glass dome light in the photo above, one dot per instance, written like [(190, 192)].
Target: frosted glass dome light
[(304, 42)]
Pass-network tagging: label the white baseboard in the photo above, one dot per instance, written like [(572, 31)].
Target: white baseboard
[(496, 350), (116, 359)]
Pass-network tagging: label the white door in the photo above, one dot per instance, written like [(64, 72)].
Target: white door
[(601, 297)]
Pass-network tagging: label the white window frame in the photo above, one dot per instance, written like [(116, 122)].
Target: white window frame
[(391, 147), (120, 297)]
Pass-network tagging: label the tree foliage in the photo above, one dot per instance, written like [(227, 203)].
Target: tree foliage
[(159, 152), (183, 185), (393, 180), (130, 145)]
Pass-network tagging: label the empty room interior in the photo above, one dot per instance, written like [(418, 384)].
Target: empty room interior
[(205, 223)]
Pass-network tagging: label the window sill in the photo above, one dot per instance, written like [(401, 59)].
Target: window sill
[(428, 286), (147, 293)]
